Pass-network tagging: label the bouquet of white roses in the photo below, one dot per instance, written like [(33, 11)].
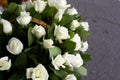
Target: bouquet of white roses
[(42, 40)]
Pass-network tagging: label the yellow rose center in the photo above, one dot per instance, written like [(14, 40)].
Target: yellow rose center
[(2, 63), (38, 73)]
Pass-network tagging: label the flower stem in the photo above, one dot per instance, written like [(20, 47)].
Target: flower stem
[(40, 22)]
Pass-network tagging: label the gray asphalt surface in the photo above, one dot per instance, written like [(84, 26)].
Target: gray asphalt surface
[(104, 20)]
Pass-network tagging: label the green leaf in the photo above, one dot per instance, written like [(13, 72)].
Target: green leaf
[(50, 32), (48, 15), (37, 15), (1, 29), (18, 10), (85, 57), (66, 20), (12, 7), (68, 45), (21, 64), (54, 51), (81, 70), (33, 58), (71, 34), (51, 11), (30, 37), (52, 76), (27, 49), (77, 17), (60, 73), (17, 76), (82, 33), (32, 11)]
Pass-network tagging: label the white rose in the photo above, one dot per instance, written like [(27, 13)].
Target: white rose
[(58, 4), (29, 5), (58, 62), (77, 40), (61, 32), (85, 25), (48, 43), (73, 60), (37, 73), (1, 9), (59, 14), (14, 46), (24, 18), (29, 72), (26, 5), (74, 24), (38, 31), (84, 46), (7, 27), (72, 11), (5, 64), (23, 6), (39, 5), (70, 77)]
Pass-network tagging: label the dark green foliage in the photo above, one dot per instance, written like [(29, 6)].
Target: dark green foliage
[(67, 19), (16, 1), (18, 76), (34, 52), (67, 45), (12, 12), (85, 57), (82, 33)]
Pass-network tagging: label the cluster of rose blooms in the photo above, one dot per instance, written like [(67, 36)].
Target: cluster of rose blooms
[(15, 46)]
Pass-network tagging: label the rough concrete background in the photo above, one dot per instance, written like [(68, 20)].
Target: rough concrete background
[(104, 20)]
